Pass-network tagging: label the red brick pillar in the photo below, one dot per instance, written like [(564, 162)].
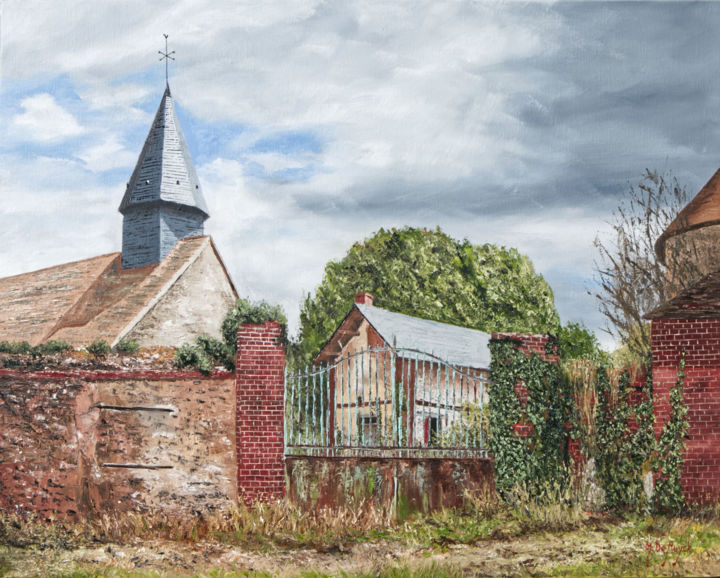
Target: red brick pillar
[(699, 338), (260, 412)]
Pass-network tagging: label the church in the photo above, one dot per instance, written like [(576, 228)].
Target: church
[(167, 286)]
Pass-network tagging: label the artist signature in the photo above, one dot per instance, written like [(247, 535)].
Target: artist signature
[(670, 552)]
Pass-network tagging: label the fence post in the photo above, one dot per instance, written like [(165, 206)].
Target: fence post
[(260, 412)]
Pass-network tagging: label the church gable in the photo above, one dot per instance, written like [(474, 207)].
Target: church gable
[(196, 303)]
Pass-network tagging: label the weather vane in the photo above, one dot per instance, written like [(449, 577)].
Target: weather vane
[(166, 56)]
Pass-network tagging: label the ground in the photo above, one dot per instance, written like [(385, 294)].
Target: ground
[(598, 547)]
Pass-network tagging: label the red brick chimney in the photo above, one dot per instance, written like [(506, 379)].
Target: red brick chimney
[(364, 299)]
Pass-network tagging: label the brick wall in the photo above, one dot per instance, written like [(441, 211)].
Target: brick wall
[(529, 343), (260, 421), (88, 442), (700, 339)]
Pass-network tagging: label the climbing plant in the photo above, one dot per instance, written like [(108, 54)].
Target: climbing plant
[(668, 495), (623, 453), (529, 433)]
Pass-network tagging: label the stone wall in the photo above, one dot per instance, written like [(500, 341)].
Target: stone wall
[(85, 442), (700, 339)]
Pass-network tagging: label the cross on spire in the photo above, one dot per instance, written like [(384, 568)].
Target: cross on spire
[(166, 56)]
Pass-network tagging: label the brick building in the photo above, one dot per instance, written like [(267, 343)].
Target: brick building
[(689, 323), (169, 283)]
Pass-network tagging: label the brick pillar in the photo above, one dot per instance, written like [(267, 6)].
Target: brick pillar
[(700, 339), (260, 412)]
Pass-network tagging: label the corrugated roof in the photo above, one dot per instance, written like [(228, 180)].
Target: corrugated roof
[(457, 345), (164, 170), (702, 211)]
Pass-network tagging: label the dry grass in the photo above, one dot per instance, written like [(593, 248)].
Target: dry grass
[(268, 523)]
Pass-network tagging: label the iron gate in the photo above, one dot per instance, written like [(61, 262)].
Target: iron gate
[(386, 401)]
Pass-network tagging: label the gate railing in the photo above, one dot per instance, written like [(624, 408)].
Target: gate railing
[(386, 400)]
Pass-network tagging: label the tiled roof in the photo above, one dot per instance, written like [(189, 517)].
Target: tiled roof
[(164, 171), (32, 304), (700, 301), (457, 345), (702, 211), (87, 300)]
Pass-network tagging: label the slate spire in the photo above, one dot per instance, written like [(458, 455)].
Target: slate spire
[(163, 201)]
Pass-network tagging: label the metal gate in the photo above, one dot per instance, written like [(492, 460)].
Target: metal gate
[(386, 401)]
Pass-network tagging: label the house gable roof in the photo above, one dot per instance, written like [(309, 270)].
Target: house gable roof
[(699, 301), (459, 346)]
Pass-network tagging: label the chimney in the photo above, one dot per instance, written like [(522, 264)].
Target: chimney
[(364, 299)]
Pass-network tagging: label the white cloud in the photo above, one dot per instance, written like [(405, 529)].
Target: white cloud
[(109, 154), (45, 120)]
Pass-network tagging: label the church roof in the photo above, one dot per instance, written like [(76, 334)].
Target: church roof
[(82, 301), (164, 171), (702, 211)]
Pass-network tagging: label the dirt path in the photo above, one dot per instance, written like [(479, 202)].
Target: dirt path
[(532, 555)]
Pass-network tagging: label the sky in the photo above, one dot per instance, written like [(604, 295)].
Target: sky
[(312, 124)]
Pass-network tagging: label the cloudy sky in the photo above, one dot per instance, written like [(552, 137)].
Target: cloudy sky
[(313, 124)]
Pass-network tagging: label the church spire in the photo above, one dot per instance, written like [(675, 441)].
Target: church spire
[(163, 201)]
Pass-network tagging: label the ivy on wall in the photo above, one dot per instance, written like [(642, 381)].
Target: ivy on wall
[(530, 432), (623, 453), (668, 496)]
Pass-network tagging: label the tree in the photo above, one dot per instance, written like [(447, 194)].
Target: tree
[(632, 279), (577, 342), (428, 274)]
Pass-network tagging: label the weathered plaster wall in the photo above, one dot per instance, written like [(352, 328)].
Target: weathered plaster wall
[(196, 304), (403, 484), (62, 451)]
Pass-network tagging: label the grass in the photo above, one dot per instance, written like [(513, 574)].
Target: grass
[(633, 544)]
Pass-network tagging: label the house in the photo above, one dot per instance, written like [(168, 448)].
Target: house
[(399, 380), (169, 283)]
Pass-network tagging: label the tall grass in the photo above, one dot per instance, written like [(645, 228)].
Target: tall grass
[(274, 522)]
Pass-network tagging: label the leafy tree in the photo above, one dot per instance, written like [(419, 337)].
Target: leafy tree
[(577, 342), (632, 280), (428, 274)]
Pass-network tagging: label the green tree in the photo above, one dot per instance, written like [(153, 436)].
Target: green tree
[(577, 342), (430, 275)]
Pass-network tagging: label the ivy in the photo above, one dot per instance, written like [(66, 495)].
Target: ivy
[(623, 453), (668, 495), (529, 438)]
